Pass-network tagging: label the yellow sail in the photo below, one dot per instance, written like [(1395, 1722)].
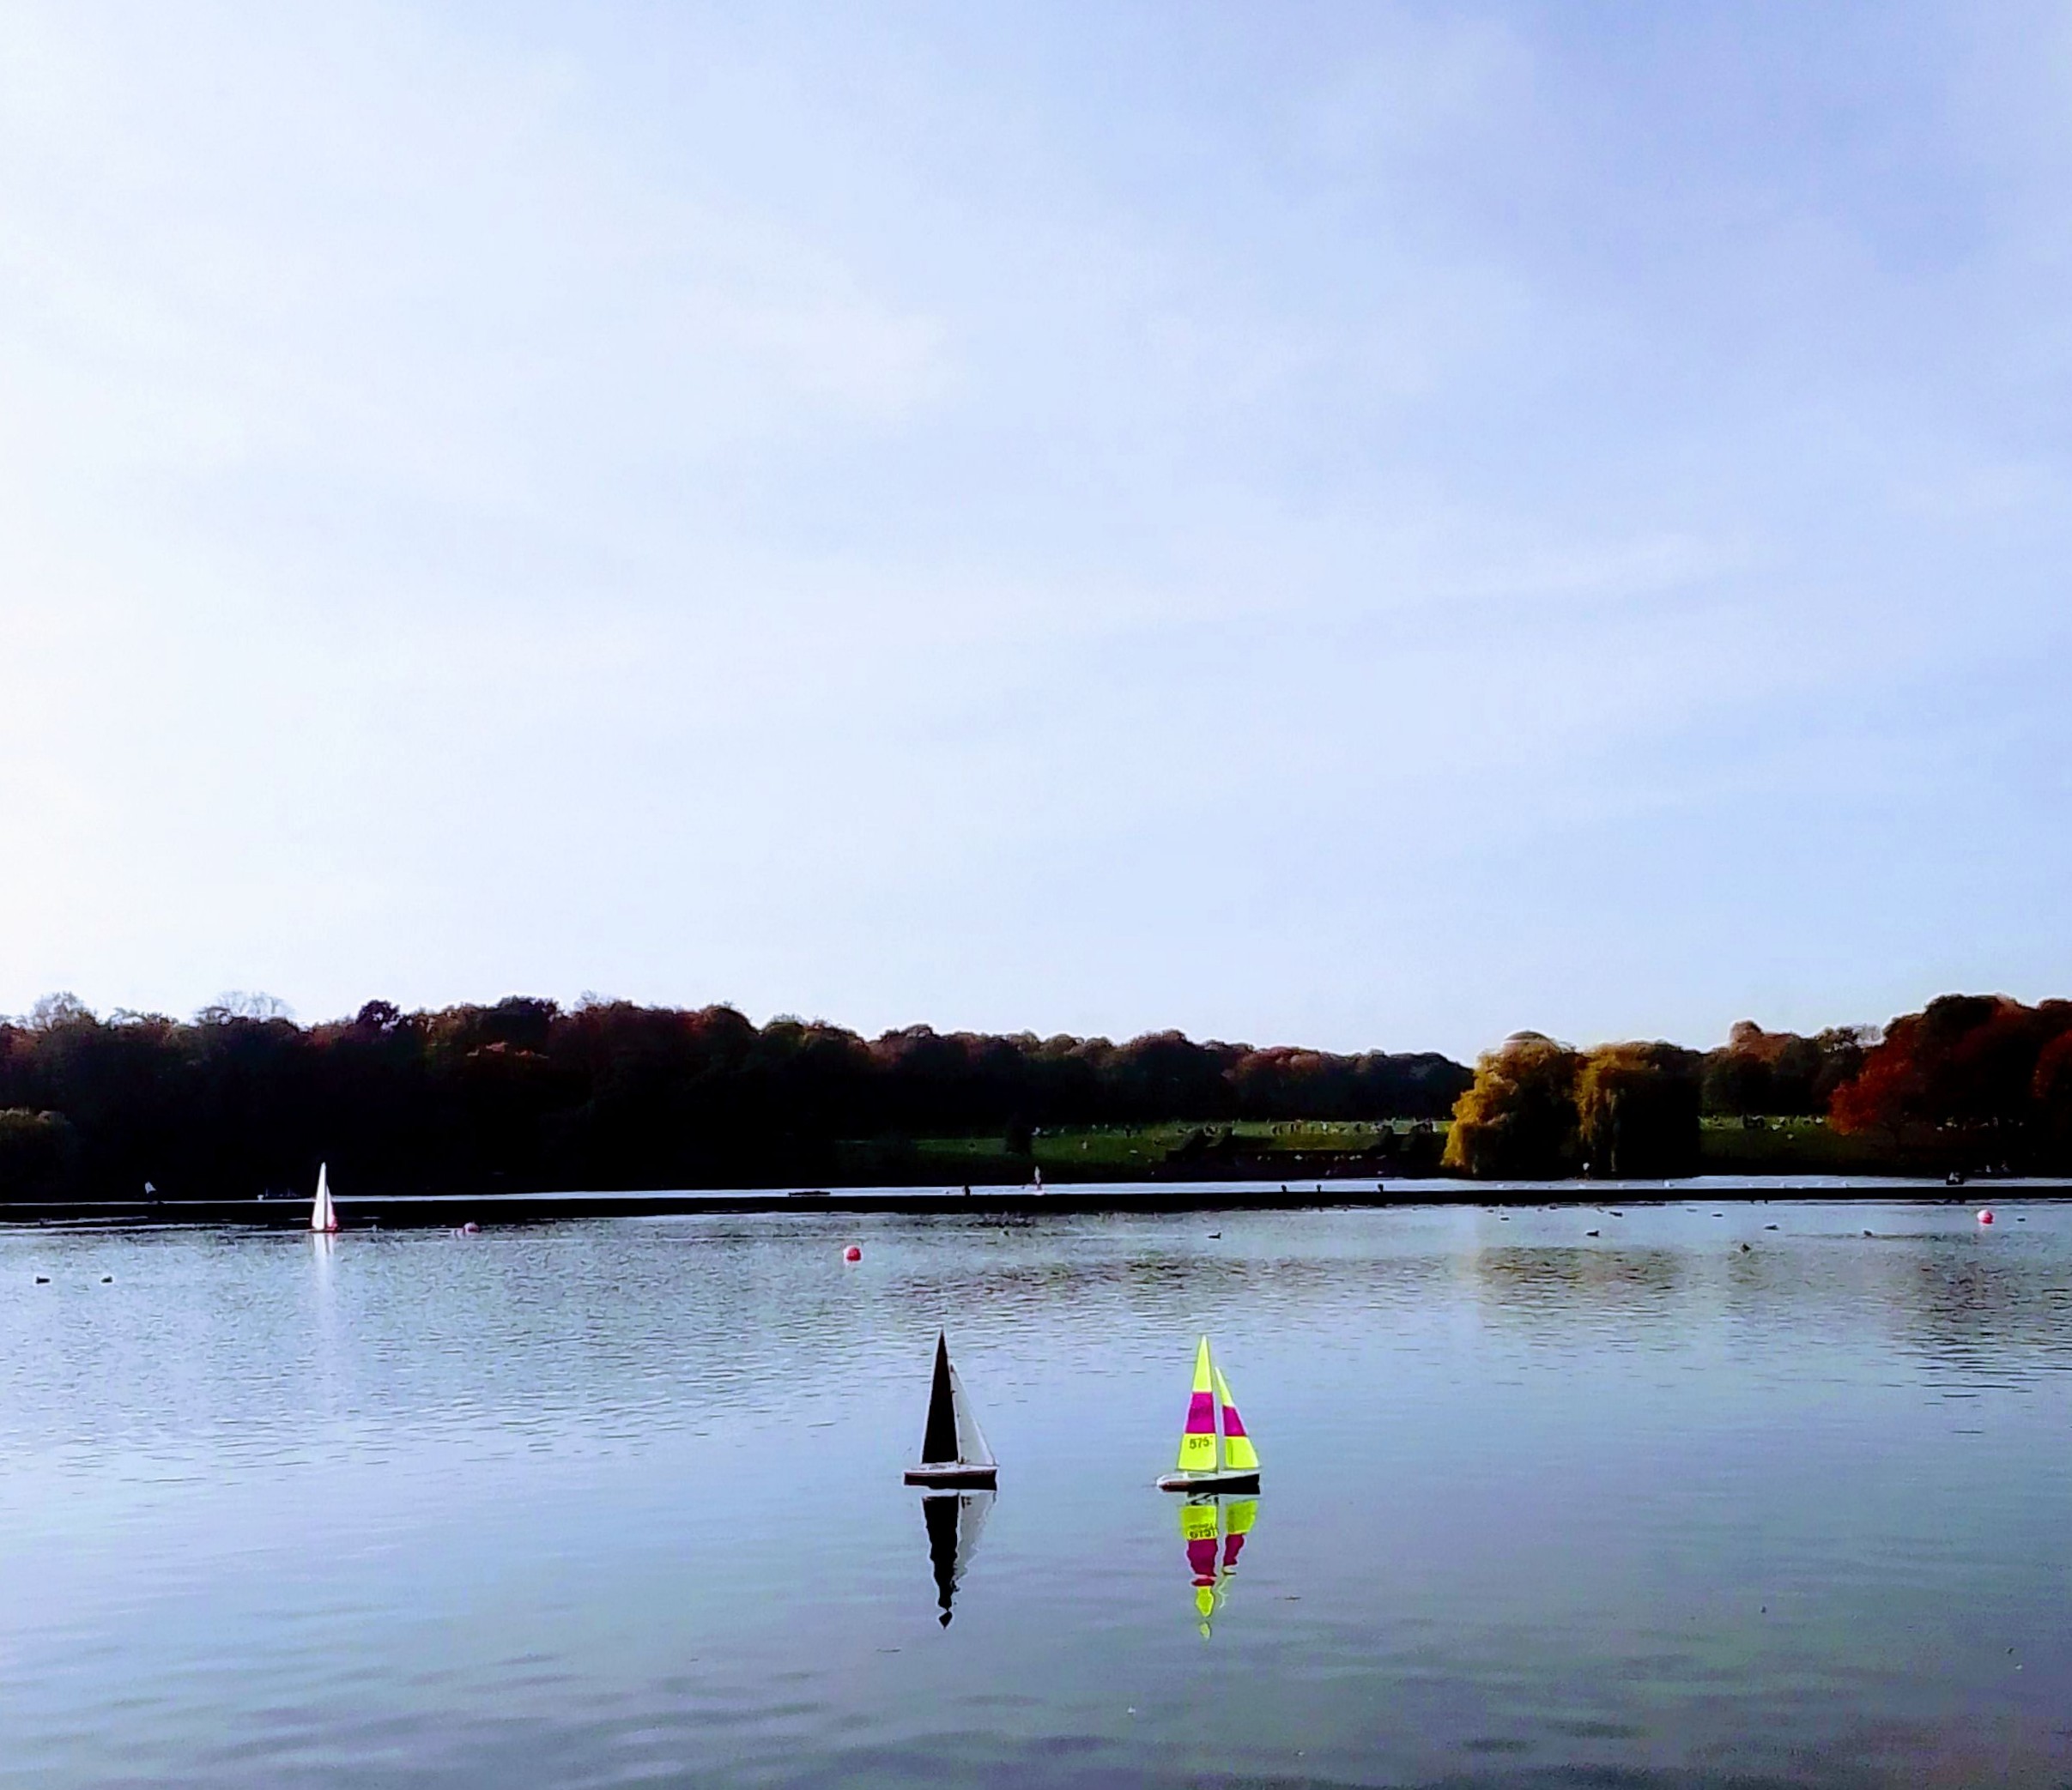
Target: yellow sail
[(1238, 1515), (1198, 1439), (1239, 1454), (1198, 1531)]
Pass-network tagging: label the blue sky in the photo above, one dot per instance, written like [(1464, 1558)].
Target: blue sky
[(1372, 526)]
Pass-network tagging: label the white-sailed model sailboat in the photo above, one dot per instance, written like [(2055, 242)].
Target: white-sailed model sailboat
[(1213, 1457), (323, 1215), (953, 1447)]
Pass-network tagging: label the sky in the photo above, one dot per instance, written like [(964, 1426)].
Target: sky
[(1372, 526)]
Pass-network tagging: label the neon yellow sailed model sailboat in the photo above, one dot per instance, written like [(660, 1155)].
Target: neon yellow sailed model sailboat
[(1205, 1520), (1214, 1456)]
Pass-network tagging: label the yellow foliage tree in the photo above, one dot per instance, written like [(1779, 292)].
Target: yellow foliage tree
[(1518, 1120), (1637, 1109)]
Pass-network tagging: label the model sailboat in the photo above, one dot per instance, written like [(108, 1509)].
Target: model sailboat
[(1214, 1456), (323, 1215), (954, 1452)]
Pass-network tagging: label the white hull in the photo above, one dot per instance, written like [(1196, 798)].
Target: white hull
[(954, 1474)]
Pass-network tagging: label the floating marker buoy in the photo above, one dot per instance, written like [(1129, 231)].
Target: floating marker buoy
[(1986, 1216), (853, 1253)]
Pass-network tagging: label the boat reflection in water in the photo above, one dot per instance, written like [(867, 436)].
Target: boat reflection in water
[(954, 1519), (1214, 1528)]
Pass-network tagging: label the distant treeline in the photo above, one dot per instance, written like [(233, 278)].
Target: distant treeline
[(1972, 1082), (526, 1095)]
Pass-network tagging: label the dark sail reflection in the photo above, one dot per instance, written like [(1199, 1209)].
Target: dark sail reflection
[(953, 1520)]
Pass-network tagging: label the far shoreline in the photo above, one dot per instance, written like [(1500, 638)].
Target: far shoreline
[(450, 1211)]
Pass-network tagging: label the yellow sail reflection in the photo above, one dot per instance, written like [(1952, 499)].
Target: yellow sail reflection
[(1213, 1529)]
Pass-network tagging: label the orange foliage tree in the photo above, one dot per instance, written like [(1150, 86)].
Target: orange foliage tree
[(1987, 1073)]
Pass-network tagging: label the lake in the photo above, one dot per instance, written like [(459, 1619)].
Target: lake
[(619, 1502)]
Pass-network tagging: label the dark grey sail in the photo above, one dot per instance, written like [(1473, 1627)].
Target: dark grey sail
[(939, 1443)]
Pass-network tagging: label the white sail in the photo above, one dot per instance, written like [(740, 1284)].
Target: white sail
[(322, 1216), (971, 1439), (971, 1509)]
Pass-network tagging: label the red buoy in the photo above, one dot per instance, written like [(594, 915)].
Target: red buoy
[(853, 1253), (1986, 1217)]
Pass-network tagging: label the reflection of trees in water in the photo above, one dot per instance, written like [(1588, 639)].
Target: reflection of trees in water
[(1953, 1298), (740, 1313), (694, 1318), (1985, 1308), (1975, 1306), (1088, 1293), (1523, 1280)]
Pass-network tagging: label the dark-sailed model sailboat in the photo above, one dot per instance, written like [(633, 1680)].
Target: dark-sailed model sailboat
[(954, 1453), (959, 1473)]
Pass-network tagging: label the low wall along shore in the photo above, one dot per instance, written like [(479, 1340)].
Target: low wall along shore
[(446, 1211)]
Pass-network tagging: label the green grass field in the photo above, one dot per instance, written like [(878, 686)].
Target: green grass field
[(1726, 1146), (1107, 1149), (1775, 1147), (1123, 1144)]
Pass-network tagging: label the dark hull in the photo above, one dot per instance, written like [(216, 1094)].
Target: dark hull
[(1209, 1482)]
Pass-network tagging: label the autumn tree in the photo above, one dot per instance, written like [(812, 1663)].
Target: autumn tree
[(1981, 1070), (1518, 1120), (1637, 1109), (1780, 1073), (35, 1151), (2050, 1089)]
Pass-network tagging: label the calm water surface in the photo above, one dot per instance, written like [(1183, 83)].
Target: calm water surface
[(620, 1502)]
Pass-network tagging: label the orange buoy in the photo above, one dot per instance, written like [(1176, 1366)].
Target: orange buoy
[(1986, 1216), (853, 1253)]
